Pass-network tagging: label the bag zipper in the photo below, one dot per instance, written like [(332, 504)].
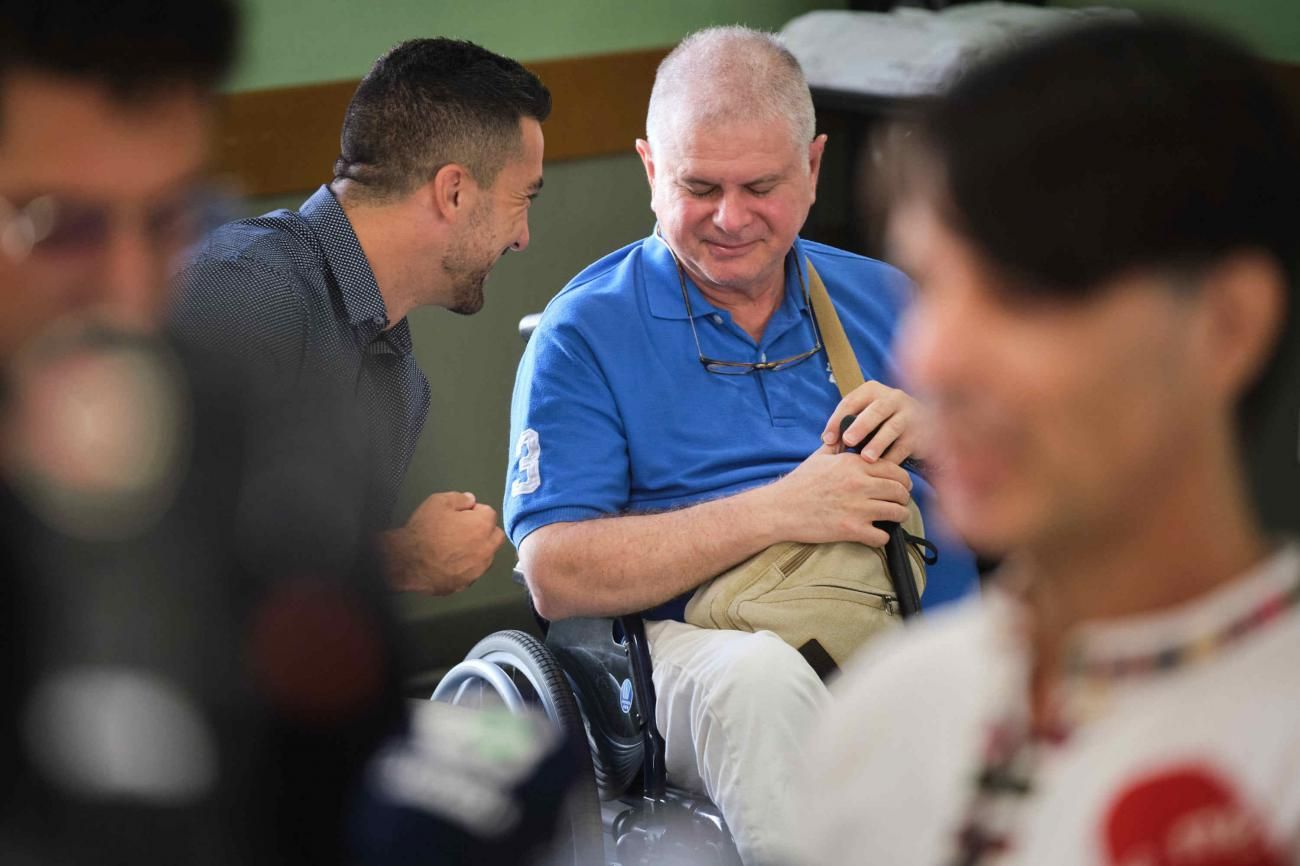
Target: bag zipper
[(888, 602), (797, 557)]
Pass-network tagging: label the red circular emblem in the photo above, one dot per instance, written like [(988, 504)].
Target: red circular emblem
[(1185, 816)]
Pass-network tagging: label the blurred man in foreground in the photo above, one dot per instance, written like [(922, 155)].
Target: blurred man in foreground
[(1103, 230), (102, 175), (179, 687)]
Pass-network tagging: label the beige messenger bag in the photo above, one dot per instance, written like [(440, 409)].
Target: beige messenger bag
[(825, 600)]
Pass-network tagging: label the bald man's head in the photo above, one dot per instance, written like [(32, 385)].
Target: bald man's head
[(725, 74)]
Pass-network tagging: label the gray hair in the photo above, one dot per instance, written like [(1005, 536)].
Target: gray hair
[(724, 74)]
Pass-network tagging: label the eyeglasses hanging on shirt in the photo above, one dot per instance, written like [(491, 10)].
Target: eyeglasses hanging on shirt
[(744, 368)]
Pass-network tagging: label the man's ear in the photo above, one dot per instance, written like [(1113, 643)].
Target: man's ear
[(815, 150), (647, 160), (453, 190), (1245, 301)]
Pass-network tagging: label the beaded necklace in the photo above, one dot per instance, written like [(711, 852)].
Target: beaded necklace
[(1013, 746)]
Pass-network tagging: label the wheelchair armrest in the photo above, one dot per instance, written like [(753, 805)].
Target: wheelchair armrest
[(528, 324), (543, 624), (638, 651), (579, 633)]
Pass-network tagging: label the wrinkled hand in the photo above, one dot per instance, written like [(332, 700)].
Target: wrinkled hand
[(444, 547), (897, 413), (837, 497)]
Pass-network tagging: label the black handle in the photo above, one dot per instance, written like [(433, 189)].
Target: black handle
[(896, 558), (654, 748)]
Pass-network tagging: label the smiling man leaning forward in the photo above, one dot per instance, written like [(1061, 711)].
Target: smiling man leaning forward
[(441, 156), (671, 417)]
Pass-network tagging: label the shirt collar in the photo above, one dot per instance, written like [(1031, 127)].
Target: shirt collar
[(664, 292), (1195, 619), (1124, 641), (362, 303)]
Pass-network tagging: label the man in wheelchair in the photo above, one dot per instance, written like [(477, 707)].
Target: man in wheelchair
[(675, 414)]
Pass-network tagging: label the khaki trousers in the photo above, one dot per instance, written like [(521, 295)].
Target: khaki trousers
[(735, 710)]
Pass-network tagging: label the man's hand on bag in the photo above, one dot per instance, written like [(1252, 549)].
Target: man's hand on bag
[(897, 414), (836, 497), (445, 546)]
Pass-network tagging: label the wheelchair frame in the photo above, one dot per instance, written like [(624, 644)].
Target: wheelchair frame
[(600, 660)]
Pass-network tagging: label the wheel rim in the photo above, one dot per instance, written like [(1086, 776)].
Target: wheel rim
[(498, 671), (540, 694), (452, 688), (504, 672)]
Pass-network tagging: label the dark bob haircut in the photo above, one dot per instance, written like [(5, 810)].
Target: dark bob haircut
[(1114, 147)]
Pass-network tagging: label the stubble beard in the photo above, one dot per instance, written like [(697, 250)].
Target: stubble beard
[(466, 268)]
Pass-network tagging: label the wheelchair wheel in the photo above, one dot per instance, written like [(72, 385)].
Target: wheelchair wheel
[(515, 669)]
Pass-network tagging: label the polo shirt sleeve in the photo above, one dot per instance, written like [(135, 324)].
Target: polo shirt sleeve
[(569, 456), (245, 311)]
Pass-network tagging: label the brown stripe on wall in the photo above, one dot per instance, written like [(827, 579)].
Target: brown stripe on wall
[(286, 139), (1287, 76)]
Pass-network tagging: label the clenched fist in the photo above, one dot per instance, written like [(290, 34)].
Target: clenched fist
[(446, 545)]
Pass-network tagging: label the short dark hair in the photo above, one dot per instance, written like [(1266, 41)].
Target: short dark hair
[(431, 102), (134, 48), (1116, 146)]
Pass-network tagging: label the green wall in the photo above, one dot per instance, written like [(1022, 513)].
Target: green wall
[(588, 208), (1272, 27), (300, 41)]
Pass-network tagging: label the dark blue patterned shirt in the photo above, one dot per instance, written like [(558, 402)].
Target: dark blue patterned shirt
[(291, 298)]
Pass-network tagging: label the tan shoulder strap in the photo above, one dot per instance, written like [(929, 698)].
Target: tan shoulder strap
[(844, 364)]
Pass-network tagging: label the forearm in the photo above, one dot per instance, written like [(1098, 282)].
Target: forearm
[(400, 557), (617, 565)]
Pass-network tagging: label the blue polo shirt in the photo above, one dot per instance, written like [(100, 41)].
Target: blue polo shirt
[(614, 413)]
